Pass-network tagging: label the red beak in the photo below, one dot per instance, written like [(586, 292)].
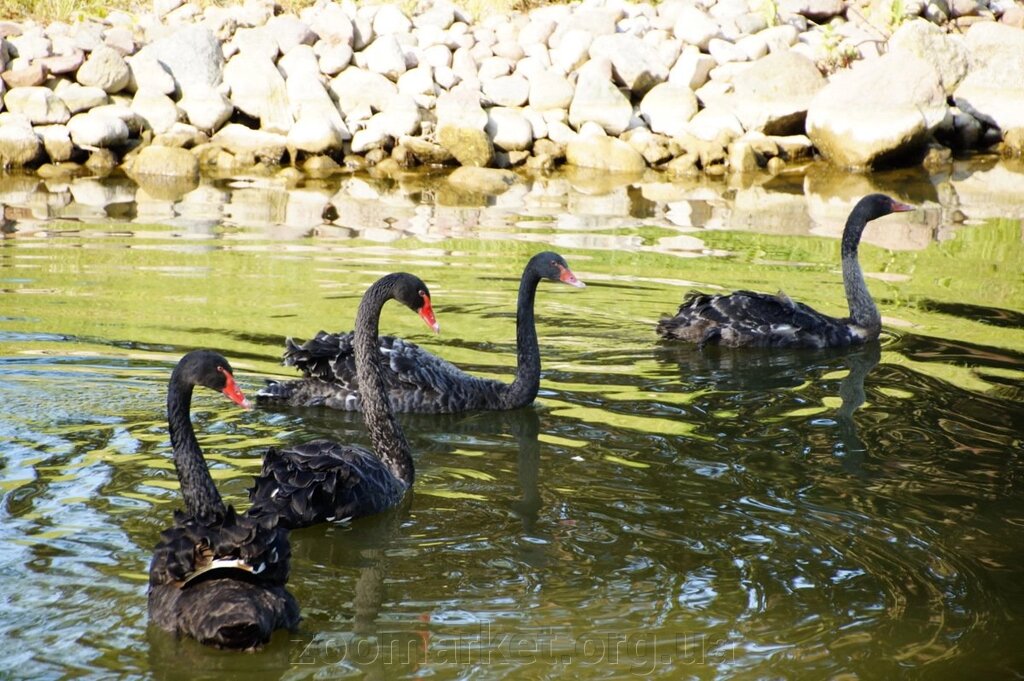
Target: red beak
[(898, 207), (567, 277), (232, 391), (427, 313)]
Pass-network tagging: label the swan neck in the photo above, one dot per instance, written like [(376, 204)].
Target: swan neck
[(862, 307), (524, 388), (389, 442), (197, 487)]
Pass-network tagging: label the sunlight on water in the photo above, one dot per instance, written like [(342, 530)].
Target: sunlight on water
[(660, 511)]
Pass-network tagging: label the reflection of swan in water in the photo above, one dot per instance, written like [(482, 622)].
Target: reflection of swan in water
[(851, 390)]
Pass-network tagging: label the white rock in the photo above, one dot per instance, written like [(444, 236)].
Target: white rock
[(549, 90), (494, 67), (572, 50), (259, 42), (753, 46), (724, 51), (39, 104), (779, 38), (436, 55), (635, 64), (314, 135), (145, 69), (301, 61), (355, 88), (692, 68), (157, 109), (240, 140), (464, 64), (667, 108), (89, 131), (418, 81), (289, 32), (390, 19), (878, 109), (333, 25), (259, 90), (334, 57), (604, 153), (537, 122), (18, 145), (926, 41), (597, 99), (308, 100), (56, 141), (106, 69), (367, 139), (79, 98), (559, 132), (509, 129), (461, 108), (192, 54), (386, 57), (445, 78), (124, 112), (712, 122), (507, 90), (694, 27), (440, 15), (400, 117), (206, 108)]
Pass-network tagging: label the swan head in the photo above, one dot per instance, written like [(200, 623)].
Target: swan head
[(414, 294), (550, 265), (211, 370)]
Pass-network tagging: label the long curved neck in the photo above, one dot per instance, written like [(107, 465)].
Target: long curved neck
[(524, 388), (862, 308), (386, 434), (201, 495)]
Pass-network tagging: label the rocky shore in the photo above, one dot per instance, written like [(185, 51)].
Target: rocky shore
[(685, 86)]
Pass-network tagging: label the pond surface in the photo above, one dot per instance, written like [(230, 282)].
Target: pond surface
[(659, 511)]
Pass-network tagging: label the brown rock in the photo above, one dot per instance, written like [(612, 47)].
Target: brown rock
[(63, 63), (29, 76)]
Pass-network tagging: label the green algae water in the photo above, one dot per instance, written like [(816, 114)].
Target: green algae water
[(660, 511)]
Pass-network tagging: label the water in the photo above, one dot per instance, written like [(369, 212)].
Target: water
[(660, 511)]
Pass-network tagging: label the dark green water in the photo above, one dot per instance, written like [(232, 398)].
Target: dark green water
[(660, 511)]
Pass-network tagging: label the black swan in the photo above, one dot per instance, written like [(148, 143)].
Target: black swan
[(745, 318), (321, 480), (216, 576), (416, 380)]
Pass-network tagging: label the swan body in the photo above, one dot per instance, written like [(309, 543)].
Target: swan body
[(416, 380), (216, 576), (321, 481), (746, 318)]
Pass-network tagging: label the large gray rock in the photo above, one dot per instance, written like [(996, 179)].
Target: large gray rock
[(879, 112), (90, 131), (166, 162), (993, 90), (668, 107), (356, 88), (604, 153), (19, 145), (192, 55), (928, 42), (773, 94), (243, 141), (39, 104), (106, 69), (597, 99), (259, 90), (635, 63)]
